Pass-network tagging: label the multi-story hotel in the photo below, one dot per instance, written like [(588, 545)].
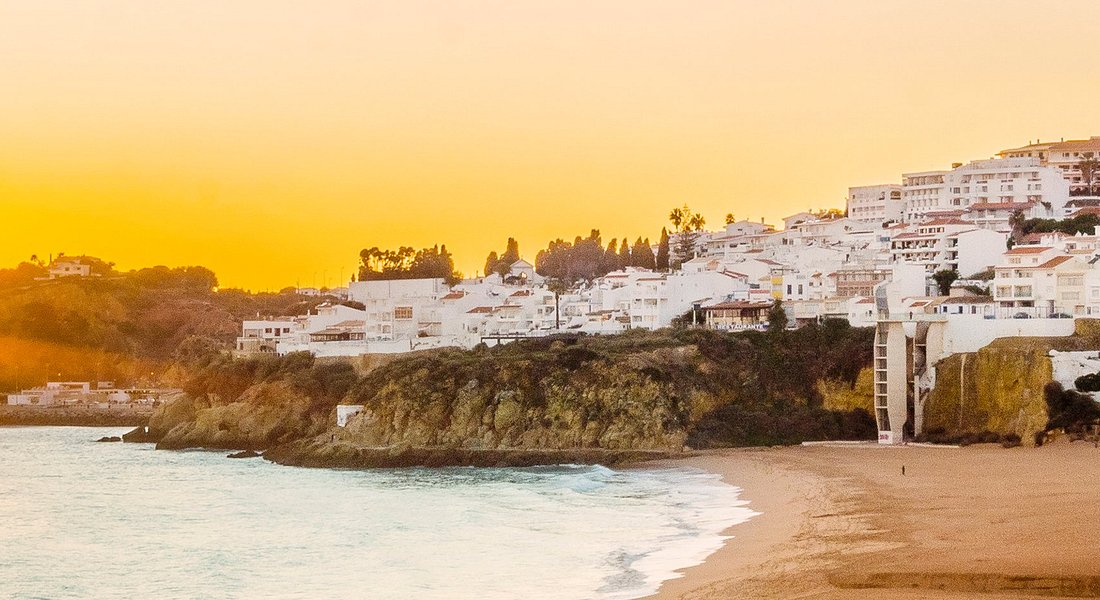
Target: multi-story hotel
[(875, 203), (1013, 182)]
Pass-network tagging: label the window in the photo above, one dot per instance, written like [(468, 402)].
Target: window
[(403, 313)]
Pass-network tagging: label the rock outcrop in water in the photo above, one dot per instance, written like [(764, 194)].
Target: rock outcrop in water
[(577, 399)]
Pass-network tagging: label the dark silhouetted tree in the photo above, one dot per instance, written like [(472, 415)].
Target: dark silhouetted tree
[(662, 251), (944, 279), (777, 317), (641, 255), (491, 263)]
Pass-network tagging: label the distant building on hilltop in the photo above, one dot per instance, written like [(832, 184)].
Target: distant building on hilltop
[(1007, 183)]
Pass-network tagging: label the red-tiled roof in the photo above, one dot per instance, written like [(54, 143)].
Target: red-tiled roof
[(1089, 145), (944, 221), (969, 300), (738, 304), (1002, 205), (522, 293), (1028, 250), (1088, 210), (480, 310), (1054, 262), (454, 295)]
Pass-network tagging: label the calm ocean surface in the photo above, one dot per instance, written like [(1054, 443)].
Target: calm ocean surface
[(80, 519)]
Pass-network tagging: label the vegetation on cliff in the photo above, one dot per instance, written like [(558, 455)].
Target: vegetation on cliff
[(1069, 410), (640, 391), (119, 326), (1001, 392)]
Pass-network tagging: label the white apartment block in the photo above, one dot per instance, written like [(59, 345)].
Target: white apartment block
[(262, 336), (1040, 281), (400, 309), (733, 238), (1065, 156), (948, 243), (875, 204), (1016, 182)]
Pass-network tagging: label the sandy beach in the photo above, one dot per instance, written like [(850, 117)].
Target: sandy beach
[(844, 523)]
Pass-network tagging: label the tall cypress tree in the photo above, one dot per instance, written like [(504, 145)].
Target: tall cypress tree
[(662, 251), (641, 255)]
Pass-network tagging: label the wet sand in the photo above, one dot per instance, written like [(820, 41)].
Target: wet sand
[(844, 523)]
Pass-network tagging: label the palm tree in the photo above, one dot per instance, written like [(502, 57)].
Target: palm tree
[(1017, 222), (677, 216), (1089, 167)]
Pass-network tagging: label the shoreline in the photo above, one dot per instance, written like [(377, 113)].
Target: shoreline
[(843, 523), (74, 416)]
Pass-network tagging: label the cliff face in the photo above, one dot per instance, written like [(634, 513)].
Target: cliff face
[(266, 415), (599, 399), (613, 406), (1000, 387)]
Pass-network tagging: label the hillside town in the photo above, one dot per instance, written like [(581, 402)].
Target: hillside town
[(945, 242)]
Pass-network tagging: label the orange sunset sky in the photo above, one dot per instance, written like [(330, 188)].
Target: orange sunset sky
[(272, 140)]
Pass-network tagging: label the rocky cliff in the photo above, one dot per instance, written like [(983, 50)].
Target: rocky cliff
[(1000, 387), (553, 400)]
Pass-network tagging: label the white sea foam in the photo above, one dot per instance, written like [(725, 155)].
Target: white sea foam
[(85, 519)]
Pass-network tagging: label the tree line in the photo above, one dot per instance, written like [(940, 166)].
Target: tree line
[(407, 263), (583, 259)]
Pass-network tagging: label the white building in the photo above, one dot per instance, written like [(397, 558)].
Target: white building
[(263, 335), (400, 309), (1040, 281), (948, 243), (1066, 157), (68, 268), (101, 394), (1020, 181), (875, 204)]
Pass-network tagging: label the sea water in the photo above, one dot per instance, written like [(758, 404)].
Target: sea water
[(81, 519)]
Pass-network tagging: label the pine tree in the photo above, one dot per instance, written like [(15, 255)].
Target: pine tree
[(624, 253)]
